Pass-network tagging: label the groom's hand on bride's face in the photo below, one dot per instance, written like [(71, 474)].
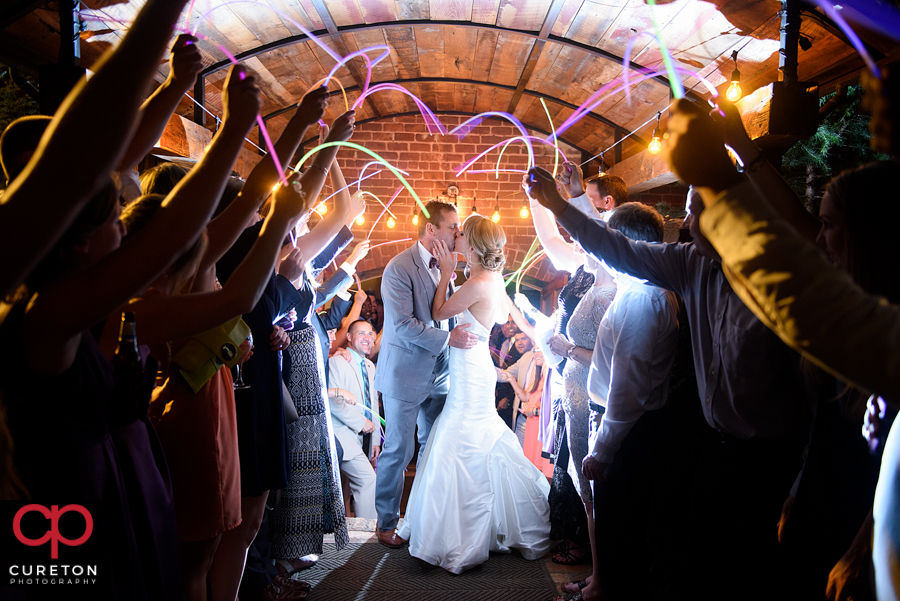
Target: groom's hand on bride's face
[(460, 338)]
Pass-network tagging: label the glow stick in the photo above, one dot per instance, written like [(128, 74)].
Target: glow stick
[(555, 142), (389, 242), (480, 117), (281, 14), (374, 156), (187, 17), (527, 139), (674, 80), (835, 16), (427, 113), (381, 202), (370, 163), (393, 198), (501, 171), (343, 91), (531, 249), (214, 116), (350, 184), (373, 413), (534, 261), (369, 63)]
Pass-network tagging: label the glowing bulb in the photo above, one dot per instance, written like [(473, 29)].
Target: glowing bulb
[(495, 217), (275, 187), (415, 219), (524, 212), (391, 223), (655, 145), (322, 208), (360, 220), (734, 91)]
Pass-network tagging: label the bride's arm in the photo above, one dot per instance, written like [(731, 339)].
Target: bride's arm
[(462, 299)]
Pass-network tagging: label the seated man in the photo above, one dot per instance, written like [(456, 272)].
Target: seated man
[(521, 378), (352, 424)]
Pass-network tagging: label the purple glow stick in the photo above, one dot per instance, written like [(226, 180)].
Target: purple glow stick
[(348, 185), (389, 242), (384, 210), (626, 60), (464, 167), (495, 170), (835, 16), (281, 14), (477, 119), (369, 63), (381, 202), (367, 165), (427, 113)]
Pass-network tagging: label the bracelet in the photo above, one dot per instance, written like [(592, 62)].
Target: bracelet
[(569, 352), (320, 168)]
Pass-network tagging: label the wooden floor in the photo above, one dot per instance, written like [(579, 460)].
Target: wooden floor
[(363, 531)]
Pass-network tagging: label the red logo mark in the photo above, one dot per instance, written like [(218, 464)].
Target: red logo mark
[(53, 514)]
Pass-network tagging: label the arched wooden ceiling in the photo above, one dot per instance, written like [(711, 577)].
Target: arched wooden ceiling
[(469, 56)]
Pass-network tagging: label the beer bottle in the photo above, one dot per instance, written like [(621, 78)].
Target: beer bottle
[(129, 397)]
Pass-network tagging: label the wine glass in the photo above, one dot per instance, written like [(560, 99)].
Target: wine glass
[(239, 382)]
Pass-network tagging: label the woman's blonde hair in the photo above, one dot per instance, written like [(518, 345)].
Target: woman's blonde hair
[(486, 239)]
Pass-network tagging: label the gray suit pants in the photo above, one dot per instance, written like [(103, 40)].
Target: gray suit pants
[(401, 418)]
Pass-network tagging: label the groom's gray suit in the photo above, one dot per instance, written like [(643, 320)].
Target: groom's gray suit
[(412, 373)]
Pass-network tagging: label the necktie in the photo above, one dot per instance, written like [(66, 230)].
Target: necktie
[(433, 263), (367, 438)]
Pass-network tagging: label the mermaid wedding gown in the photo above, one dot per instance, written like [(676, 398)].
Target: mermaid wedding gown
[(475, 491)]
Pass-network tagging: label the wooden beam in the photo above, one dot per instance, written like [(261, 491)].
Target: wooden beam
[(16, 10), (535, 54), (200, 100), (328, 21), (644, 171)]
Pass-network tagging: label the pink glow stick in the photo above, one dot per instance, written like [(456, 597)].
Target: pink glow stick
[(383, 211), (465, 128), (350, 184), (381, 202), (465, 166), (427, 114)]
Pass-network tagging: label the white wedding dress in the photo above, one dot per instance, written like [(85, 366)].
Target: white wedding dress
[(475, 491)]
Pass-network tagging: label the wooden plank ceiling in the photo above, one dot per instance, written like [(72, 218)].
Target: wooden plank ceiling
[(469, 56)]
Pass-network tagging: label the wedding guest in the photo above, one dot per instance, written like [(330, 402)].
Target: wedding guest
[(523, 377), (756, 411), (355, 425)]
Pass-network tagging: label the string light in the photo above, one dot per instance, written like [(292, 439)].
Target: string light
[(391, 223), (524, 212), (474, 208), (655, 144), (602, 165), (360, 220), (322, 208), (734, 91), (415, 216)]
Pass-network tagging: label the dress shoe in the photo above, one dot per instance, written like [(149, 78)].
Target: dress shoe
[(389, 538)]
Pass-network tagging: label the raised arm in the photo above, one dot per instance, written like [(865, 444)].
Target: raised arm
[(165, 318), (663, 265), (763, 175), (185, 63), (227, 226), (42, 202), (126, 271)]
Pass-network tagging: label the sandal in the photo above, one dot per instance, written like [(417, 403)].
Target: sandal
[(570, 587), (571, 554), (284, 588), (289, 566)]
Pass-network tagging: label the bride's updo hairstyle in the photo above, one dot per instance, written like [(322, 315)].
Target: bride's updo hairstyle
[(486, 239)]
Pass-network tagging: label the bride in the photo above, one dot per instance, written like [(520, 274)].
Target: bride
[(475, 491)]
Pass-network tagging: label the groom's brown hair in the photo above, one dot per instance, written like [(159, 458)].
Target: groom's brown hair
[(436, 208)]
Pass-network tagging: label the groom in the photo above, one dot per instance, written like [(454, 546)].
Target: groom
[(413, 360)]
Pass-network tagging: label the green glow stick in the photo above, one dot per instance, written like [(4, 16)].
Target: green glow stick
[(374, 156), (534, 260), (512, 276), (674, 79)]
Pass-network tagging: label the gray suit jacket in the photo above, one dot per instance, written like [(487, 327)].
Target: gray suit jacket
[(350, 419), (413, 359)]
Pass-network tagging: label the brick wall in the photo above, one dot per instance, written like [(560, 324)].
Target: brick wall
[(431, 162), (671, 194)]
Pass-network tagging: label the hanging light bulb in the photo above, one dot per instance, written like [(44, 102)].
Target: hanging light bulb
[(524, 212), (655, 145), (602, 165), (496, 216), (415, 216), (360, 220), (391, 223), (474, 208), (734, 91), (322, 208)]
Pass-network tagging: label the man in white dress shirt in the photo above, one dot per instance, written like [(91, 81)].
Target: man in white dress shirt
[(629, 378), (354, 425)]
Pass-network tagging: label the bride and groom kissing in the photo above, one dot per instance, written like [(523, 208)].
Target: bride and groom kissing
[(474, 490)]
